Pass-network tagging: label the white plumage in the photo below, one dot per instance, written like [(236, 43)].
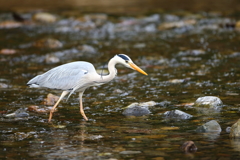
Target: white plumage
[(77, 76)]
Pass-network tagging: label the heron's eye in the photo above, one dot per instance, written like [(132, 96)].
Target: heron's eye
[(126, 61)]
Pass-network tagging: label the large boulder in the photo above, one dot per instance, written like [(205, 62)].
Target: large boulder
[(235, 130), (211, 126)]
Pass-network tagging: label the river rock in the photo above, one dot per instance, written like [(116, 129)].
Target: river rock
[(228, 129), (138, 109), (235, 130), (20, 113), (177, 114), (188, 146), (210, 101), (211, 126), (48, 43), (50, 100), (44, 17)]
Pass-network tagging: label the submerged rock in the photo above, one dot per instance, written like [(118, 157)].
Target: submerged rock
[(130, 152), (164, 103), (7, 51), (235, 130), (50, 100), (210, 101), (177, 114), (211, 126), (208, 105), (37, 109), (48, 43), (188, 146), (138, 109), (20, 113), (228, 129), (10, 24)]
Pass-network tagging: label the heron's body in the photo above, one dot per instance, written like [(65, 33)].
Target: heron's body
[(74, 76), (77, 77)]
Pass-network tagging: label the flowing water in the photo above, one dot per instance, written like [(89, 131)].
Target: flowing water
[(186, 56)]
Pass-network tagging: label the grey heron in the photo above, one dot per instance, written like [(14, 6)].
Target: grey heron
[(77, 77)]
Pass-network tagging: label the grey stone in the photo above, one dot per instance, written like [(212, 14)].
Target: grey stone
[(235, 130), (211, 126), (20, 113), (210, 101), (177, 114), (228, 129), (138, 109)]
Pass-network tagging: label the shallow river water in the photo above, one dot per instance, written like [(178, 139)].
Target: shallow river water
[(186, 56)]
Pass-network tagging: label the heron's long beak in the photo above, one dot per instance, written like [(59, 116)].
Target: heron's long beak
[(134, 66)]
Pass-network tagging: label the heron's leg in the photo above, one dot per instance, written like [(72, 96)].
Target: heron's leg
[(64, 93), (81, 106)]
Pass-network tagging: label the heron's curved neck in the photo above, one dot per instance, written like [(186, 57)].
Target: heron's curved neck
[(112, 72)]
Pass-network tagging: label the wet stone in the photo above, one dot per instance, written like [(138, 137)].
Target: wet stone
[(130, 152), (228, 129), (37, 109), (44, 17), (48, 43), (211, 101), (3, 85), (7, 51), (235, 130), (177, 114), (211, 126), (164, 103), (51, 59), (50, 100), (22, 135), (10, 24), (20, 113), (138, 109), (195, 52), (188, 146), (87, 49)]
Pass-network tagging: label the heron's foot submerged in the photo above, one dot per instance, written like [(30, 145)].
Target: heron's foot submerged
[(83, 114)]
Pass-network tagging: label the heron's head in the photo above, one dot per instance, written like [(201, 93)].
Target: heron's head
[(126, 61)]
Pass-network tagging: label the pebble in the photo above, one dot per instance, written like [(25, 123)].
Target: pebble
[(130, 152), (228, 129), (7, 51), (51, 59), (10, 24), (4, 85), (48, 43), (44, 17)]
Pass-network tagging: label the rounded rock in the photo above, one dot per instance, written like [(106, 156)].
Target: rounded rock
[(211, 101), (235, 130), (211, 126), (177, 114), (138, 109)]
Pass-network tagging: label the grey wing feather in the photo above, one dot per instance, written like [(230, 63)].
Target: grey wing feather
[(65, 77)]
